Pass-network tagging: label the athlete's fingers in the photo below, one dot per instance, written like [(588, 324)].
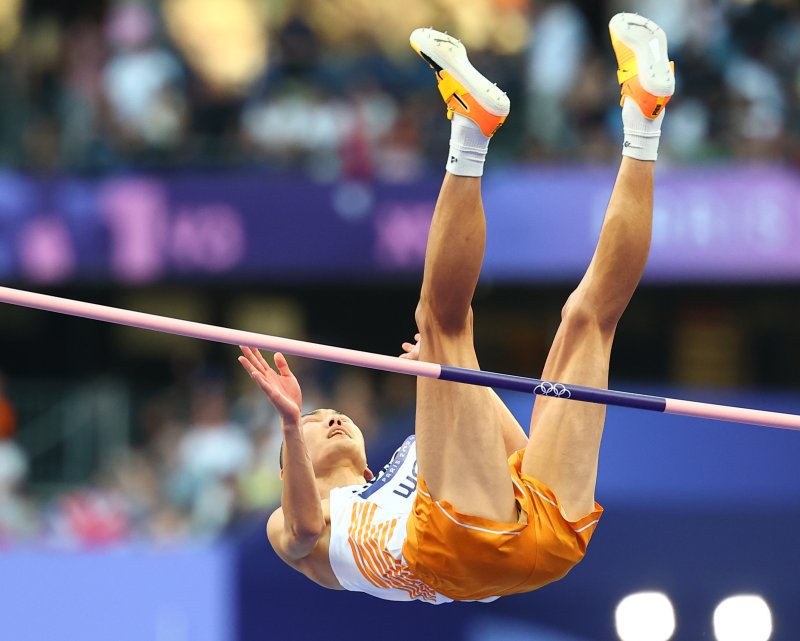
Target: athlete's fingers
[(262, 360), (246, 351), (251, 369), (276, 397), (247, 364), (250, 354), (283, 365)]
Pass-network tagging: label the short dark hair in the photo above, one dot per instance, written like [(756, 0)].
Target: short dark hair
[(280, 453)]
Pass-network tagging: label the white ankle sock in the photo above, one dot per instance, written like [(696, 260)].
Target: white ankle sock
[(641, 133), (468, 147)]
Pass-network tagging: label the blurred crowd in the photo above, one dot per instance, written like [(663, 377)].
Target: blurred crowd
[(203, 458), (332, 88)]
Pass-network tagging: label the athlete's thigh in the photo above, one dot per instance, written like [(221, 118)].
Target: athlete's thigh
[(459, 441), (565, 435)]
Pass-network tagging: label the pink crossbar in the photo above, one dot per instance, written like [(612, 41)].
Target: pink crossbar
[(734, 414), (218, 334), (393, 363)]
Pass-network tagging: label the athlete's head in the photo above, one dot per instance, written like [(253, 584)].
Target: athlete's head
[(333, 440)]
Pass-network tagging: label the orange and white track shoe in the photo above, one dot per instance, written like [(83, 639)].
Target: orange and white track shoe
[(464, 89), (645, 72)]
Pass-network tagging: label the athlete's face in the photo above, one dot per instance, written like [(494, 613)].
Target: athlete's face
[(333, 440)]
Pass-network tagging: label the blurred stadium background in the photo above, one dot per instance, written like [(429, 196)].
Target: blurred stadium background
[(272, 165)]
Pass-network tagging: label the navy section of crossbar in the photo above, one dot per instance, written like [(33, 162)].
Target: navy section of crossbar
[(553, 390)]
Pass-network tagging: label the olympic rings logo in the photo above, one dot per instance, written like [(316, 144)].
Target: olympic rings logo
[(552, 389)]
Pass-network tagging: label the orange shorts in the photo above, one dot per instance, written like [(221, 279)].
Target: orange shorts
[(468, 558)]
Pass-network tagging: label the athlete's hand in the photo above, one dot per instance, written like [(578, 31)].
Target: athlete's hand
[(412, 350), (281, 387)]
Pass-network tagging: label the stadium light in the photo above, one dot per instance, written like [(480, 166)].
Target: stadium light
[(744, 617), (645, 616)]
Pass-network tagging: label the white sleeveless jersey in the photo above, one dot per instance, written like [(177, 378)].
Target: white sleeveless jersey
[(368, 528)]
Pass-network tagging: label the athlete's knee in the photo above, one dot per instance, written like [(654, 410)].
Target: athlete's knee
[(432, 318), (587, 312)]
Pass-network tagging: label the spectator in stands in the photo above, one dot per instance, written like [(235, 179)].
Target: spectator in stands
[(142, 82), (17, 518), (213, 453)]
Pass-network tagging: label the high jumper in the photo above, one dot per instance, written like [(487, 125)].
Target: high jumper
[(471, 508)]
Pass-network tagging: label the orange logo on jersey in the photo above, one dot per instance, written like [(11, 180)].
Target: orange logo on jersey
[(368, 543)]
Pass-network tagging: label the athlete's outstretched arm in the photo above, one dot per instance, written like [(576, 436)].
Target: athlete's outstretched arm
[(514, 437), (295, 528)]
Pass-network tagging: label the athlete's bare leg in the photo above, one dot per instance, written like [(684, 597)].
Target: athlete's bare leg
[(460, 449), (564, 442), (565, 435)]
